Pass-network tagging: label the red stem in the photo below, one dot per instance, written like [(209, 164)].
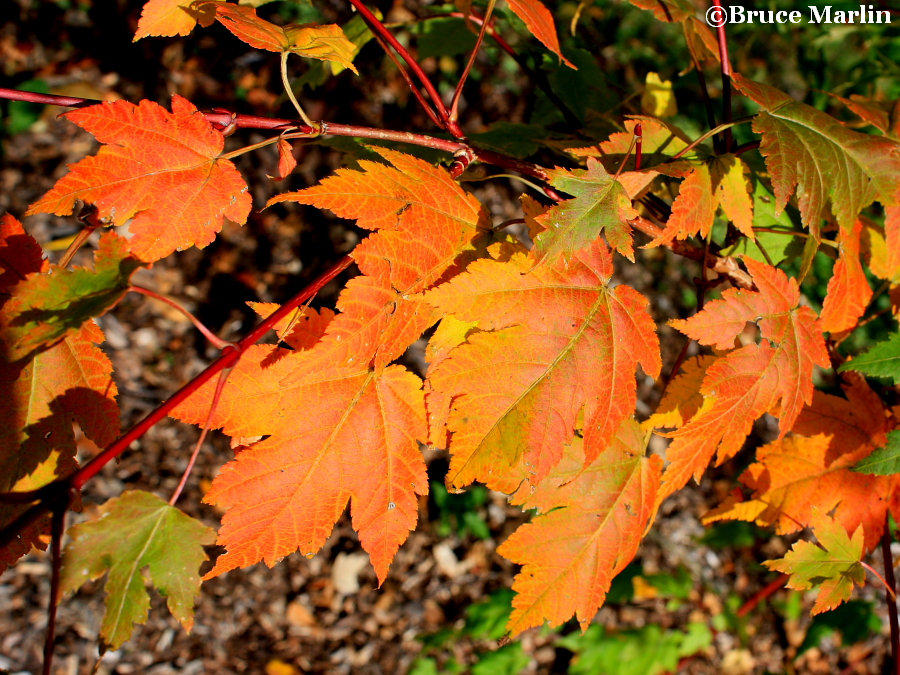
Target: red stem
[(638, 145), (726, 77), (229, 357), (223, 119), (379, 28), (891, 584), (215, 340), (762, 594), (457, 95), (57, 529)]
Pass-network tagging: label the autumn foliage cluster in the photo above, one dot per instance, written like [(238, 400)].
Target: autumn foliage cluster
[(534, 347)]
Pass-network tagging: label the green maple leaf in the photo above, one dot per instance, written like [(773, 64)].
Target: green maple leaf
[(882, 360), (833, 567), (46, 307), (600, 204), (885, 460), (135, 531), (831, 167)]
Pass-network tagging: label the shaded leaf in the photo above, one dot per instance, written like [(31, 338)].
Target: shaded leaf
[(20, 255), (882, 360), (160, 170), (68, 383), (833, 568), (138, 531), (47, 307), (539, 22)]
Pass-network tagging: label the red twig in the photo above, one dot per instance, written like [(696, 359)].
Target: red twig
[(57, 529), (726, 76), (761, 595), (379, 29), (214, 339), (223, 119), (638, 145), (457, 95), (890, 595), (220, 385), (49, 494)]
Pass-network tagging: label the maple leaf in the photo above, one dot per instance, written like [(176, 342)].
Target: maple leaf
[(600, 204), (70, 382), (323, 42), (833, 567), (336, 433), (590, 522), (884, 246), (359, 416), (539, 21), (722, 182), (20, 254), (158, 168), (136, 531), (885, 460), (883, 115), (848, 291), (551, 342), (172, 17), (748, 382), (423, 218), (882, 360), (813, 469), (828, 164), (46, 307)]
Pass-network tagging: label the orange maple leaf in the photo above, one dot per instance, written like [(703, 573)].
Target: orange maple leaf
[(552, 342), (336, 433), (848, 291), (172, 17), (539, 21), (591, 520), (748, 382), (794, 476), (323, 42), (341, 424), (720, 183), (161, 169)]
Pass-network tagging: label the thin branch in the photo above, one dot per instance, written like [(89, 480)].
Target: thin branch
[(47, 496), (891, 594), (379, 28), (289, 90), (58, 526), (214, 339), (220, 385), (726, 77), (454, 104)]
